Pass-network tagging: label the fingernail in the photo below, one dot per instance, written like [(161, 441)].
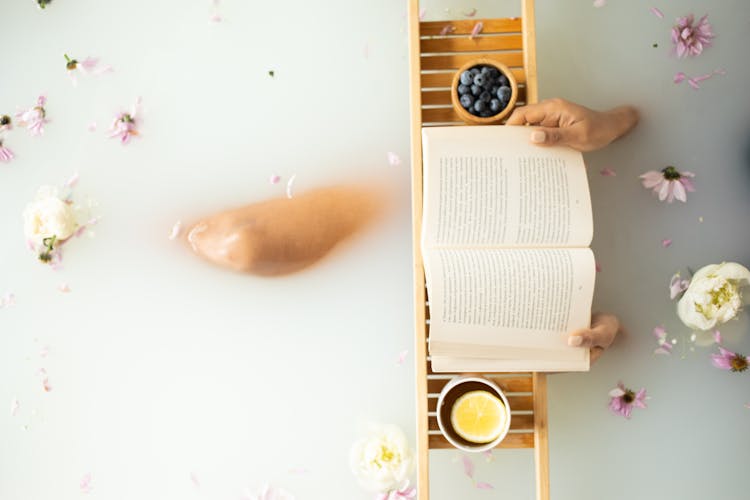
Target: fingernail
[(538, 136), (575, 341)]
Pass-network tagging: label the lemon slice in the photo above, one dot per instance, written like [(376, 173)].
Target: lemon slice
[(478, 417)]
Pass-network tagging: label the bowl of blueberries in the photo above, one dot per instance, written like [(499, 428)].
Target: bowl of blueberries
[(483, 91)]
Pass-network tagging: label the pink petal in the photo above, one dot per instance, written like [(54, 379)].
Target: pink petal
[(686, 182), (468, 466), (655, 11), (44, 352), (393, 159), (215, 18), (422, 13), (8, 299), (663, 350), (447, 29), (72, 181), (476, 29), (485, 486), (14, 406), (679, 77), (666, 243), (274, 179), (651, 179), (194, 480), (717, 336), (598, 267), (721, 362), (176, 230), (660, 332), (289, 186), (470, 13), (693, 83), (607, 172), (600, 3), (91, 127), (679, 191), (665, 190), (85, 484), (46, 385), (617, 392), (488, 456), (402, 357), (64, 288)]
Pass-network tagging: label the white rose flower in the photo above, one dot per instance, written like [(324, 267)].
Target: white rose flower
[(48, 216), (383, 460), (714, 295)]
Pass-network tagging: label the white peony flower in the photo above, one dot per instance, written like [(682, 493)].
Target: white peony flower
[(714, 295), (383, 460), (48, 216)]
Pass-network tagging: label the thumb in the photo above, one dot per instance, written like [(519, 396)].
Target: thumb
[(550, 136)]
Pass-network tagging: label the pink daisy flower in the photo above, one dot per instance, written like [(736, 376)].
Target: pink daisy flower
[(731, 361), (690, 40), (86, 66), (34, 118), (669, 183), (6, 154), (622, 400), (125, 125)]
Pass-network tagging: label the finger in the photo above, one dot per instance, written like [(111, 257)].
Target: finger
[(601, 334), (550, 136), (531, 114), (594, 354)]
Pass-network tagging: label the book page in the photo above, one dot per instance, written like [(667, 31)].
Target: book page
[(523, 298), (488, 187)]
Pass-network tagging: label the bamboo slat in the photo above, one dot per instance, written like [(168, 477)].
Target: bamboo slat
[(514, 440), (455, 61), (464, 26), (443, 79), (443, 97), (510, 383), (517, 403), (476, 44)]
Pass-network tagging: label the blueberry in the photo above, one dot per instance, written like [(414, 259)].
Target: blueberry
[(495, 106), (503, 93), (479, 80), (486, 113), (503, 80), (466, 101), (466, 78), (463, 89), (480, 106), (485, 70), (474, 71), (493, 90), (485, 96), (494, 73), (476, 90)]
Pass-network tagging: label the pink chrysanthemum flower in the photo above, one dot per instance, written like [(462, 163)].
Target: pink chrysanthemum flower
[(6, 154), (88, 66), (690, 40), (731, 361), (669, 183), (624, 400), (125, 125), (34, 118)]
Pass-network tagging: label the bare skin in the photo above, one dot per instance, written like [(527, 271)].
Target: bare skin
[(557, 122), (282, 236)]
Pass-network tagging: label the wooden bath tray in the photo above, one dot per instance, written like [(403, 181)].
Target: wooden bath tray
[(433, 58)]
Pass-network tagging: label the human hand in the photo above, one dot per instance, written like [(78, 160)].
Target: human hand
[(604, 328), (567, 124)]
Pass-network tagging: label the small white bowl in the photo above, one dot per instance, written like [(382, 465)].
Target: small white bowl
[(448, 396)]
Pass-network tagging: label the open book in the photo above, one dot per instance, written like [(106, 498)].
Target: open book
[(505, 234)]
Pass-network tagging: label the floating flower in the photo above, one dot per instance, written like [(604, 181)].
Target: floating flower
[(669, 184), (689, 39), (5, 123), (382, 460), (87, 66), (268, 492), (677, 286), (34, 118), (714, 295), (665, 347), (50, 221), (6, 155), (731, 361), (405, 492), (624, 400), (125, 125)]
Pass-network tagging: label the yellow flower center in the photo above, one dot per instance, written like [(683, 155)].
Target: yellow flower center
[(719, 297)]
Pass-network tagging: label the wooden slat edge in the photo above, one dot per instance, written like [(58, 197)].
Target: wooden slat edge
[(464, 26), (513, 440), (529, 51), (454, 61), (443, 79), (420, 343), (508, 383), (443, 97), (541, 437), (476, 44)]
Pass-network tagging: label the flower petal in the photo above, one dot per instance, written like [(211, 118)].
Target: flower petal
[(655, 11), (484, 486), (393, 159), (607, 172), (476, 29), (468, 466), (176, 230), (679, 191), (666, 243), (679, 77)]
